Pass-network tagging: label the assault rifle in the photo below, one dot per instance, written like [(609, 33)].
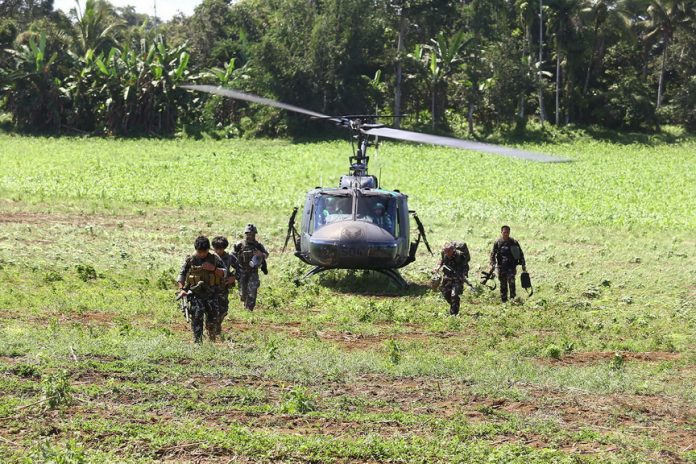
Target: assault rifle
[(185, 304), (461, 277), (292, 232), (485, 277)]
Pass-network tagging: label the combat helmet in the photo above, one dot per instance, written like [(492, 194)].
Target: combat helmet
[(250, 229)]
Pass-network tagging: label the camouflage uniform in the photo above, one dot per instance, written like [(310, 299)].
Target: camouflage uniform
[(506, 255), (455, 269), (248, 276), (205, 301), (230, 264)]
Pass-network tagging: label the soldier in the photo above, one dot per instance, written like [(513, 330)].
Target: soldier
[(380, 217), (507, 254), (251, 255), (220, 243), (202, 274), (454, 262)]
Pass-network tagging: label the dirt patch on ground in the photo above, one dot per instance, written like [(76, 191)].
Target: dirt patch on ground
[(394, 407), (350, 341), (81, 220), (593, 357)]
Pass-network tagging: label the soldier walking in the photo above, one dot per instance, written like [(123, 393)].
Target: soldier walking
[(220, 245), (251, 255), (454, 263), (506, 255), (200, 280)]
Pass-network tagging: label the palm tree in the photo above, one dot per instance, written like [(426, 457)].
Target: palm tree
[(664, 18), (32, 95), (95, 27), (526, 17), (564, 20), (442, 61), (603, 15)]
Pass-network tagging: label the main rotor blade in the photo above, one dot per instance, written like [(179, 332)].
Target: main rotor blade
[(399, 134), (236, 94)]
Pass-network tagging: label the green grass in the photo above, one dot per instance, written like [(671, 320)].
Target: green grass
[(97, 365)]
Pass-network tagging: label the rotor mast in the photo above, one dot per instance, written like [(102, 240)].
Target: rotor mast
[(357, 171), (359, 161)]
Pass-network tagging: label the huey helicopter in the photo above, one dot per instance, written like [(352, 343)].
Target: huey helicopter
[(359, 225)]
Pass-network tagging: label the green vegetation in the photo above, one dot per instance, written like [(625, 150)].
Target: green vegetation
[(97, 364), (469, 67)]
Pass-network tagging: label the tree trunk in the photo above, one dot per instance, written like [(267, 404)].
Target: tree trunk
[(470, 116), (586, 87), (662, 75), (399, 69), (542, 114), (558, 83), (526, 51), (432, 105)]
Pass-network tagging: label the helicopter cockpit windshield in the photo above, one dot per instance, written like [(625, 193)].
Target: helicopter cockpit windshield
[(332, 208), (380, 210), (377, 209)]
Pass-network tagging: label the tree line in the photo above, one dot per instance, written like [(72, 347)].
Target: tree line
[(471, 66)]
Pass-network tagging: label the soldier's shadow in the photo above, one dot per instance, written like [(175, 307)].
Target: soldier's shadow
[(371, 283)]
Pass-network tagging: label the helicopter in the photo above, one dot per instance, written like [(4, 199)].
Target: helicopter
[(359, 225)]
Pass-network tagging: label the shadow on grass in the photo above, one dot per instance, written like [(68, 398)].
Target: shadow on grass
[(366, 283)]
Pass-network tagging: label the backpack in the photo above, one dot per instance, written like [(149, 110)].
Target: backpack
[(464, 250)]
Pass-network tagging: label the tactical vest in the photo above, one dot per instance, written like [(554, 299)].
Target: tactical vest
[(198, 274), (246, 253), (509, 253)]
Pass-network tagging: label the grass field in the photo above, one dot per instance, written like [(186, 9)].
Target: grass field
[(97, 363)]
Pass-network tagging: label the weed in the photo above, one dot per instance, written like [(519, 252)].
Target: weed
[(553, 352), (298, 400), (618, 362), (70, 453), (26, 370), (52, 276), (86, 272), (394, 351), (272, 349), (56, 390)]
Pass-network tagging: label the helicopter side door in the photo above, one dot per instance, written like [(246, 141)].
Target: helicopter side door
[(307, 226), (403, 228)]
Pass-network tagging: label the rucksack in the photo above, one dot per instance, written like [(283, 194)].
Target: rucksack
[(464, 250)]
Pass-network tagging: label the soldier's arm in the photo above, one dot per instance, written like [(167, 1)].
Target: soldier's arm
[(494, 254), (262, 249), (234, 265), (220, 270), (522, 261), (184, 270)]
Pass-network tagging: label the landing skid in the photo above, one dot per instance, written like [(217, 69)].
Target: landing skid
[(393, 274)]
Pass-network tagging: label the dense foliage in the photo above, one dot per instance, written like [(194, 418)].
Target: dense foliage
[(476, 64)]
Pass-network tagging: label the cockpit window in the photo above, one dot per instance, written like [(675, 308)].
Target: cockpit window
[(378, 210), (332, 208)]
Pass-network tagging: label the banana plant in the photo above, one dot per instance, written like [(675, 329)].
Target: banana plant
[(31, 87)]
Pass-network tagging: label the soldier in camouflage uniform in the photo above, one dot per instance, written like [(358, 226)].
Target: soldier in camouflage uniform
[(251, 256), (506, 255), (202, 273), (454, 262), (220, 243), (381, 218)]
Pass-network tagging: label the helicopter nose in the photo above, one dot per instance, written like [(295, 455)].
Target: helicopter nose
[(353, 231), (353, 244)]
